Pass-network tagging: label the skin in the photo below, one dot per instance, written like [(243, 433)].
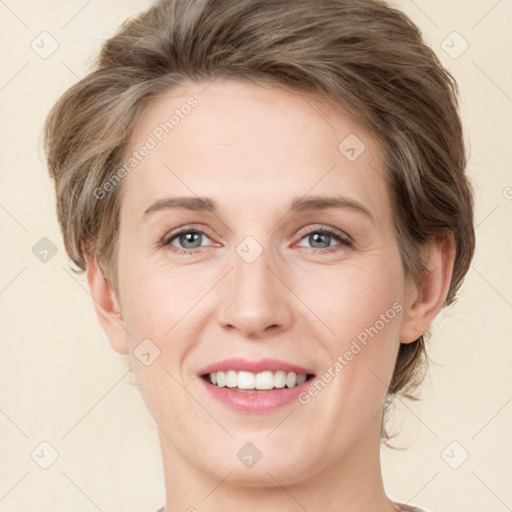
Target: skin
[(254, 149)]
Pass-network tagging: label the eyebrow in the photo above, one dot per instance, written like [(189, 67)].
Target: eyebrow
[(188, 203), (299, 204)]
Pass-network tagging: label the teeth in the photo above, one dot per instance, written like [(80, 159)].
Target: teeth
[(261, 381), (291, 380), (243, 380), (231, 379), (280, 379), (301, 379), (264, 380), (221, 379)]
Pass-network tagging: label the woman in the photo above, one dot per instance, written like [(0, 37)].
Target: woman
[(270, 202)]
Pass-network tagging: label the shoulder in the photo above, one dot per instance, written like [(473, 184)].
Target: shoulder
[(406, 508), (403, 508)]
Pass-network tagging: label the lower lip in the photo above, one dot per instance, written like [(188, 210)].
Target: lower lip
[(255, 402)]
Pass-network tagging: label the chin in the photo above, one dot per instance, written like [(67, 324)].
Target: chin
[(281, 469)]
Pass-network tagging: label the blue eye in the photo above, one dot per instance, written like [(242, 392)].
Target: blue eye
[(190, 241), (323, 238), (188, 238)]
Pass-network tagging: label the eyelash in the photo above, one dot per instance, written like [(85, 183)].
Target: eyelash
[(344, 241)]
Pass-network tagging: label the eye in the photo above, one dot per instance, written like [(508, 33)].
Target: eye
[(189, 240), (321, 239)]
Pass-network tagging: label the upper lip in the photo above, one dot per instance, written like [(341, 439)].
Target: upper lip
[(240, 364)]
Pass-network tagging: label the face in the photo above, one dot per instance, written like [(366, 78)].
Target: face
[(248, 231)]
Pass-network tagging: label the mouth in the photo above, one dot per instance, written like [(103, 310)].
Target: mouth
[(261, 382), (255, 387)]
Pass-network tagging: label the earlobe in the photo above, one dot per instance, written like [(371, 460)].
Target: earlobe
[(427, 298), (107, 306)]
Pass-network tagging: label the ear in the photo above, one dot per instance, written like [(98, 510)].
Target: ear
[(106, 305), (425, 300)]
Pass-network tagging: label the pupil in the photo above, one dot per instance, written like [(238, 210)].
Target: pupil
[(188, 237), (317, 236)]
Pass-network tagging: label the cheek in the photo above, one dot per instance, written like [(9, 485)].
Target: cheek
[(156, 299), (363, 309), (355, 298), (159, 313)]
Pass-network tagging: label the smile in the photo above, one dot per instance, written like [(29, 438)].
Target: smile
[(244, 381), (255, 387)]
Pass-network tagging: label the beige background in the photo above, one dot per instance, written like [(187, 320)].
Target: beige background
[(60, 381)]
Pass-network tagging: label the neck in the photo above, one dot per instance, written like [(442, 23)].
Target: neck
[(352, 483)]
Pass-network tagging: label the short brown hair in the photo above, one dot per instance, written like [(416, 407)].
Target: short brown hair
[(361, 55)]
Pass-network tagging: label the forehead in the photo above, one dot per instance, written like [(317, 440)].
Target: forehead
[(242, 141)]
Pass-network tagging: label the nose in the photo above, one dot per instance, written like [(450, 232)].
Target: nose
[(255, 299)]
